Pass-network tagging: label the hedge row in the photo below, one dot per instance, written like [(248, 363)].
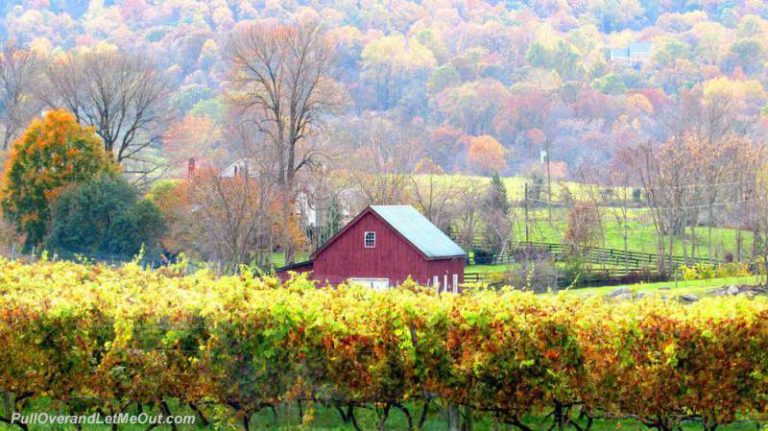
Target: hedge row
[(92, 337)]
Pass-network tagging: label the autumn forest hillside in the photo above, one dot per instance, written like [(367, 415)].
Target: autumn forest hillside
[(579, 79), (245, 129)]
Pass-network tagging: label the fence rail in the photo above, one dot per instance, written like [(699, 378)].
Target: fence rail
[(592, 278), (634, 260), (625, 266)]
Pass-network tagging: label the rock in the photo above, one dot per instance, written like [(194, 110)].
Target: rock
[(623, 297), (665, 288), (642, 295), (620, 292), (689, 297), (732, 290)]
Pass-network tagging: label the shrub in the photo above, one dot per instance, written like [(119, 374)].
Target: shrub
[(706, 271), (732, 269), (104, 217), (583, 227)]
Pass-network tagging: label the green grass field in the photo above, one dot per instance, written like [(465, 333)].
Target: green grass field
[(287, 417), (641, 234), (681, 287), (515, 186)]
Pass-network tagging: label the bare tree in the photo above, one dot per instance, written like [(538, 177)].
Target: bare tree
[(236, 216), (122, 95), (591, 176), (582, 229), (621, 179), (383, 162), (18, 72), (281, 84), (433, 193), (717, 166), (231, 217), (665, 174), (468, 212), (748, 207)]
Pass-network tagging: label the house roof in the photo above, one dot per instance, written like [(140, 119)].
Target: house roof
[(413, 227), (231, 170), (619, 53), (640, 48), (418, 230)]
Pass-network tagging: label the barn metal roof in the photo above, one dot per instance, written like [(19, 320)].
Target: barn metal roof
[(418, 230)]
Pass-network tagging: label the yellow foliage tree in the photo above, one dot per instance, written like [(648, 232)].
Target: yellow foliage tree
[(486, 154), (53, 153), (733, 92)]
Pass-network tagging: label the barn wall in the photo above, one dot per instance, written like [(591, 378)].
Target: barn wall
[(392, 258), (446, 267)]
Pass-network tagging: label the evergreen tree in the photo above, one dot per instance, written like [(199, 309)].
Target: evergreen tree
[(497, 199), (333, 223), (104, 217), (497, 210)]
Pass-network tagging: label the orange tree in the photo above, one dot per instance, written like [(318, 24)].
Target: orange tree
[(53, 152)]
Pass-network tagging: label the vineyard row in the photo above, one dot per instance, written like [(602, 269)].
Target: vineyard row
[(94, 338)]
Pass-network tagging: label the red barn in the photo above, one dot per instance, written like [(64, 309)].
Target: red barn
[(382, 247)]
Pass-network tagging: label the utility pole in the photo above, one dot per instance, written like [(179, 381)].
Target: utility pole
[(549, 183), (527, 239)]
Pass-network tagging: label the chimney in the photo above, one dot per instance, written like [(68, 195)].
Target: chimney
[(191, 167)]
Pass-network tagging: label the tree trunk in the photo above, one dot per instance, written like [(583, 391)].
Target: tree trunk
[(710, 222), (384, 417), (288, 252), (8, 403), (558, 416), (693, 243), (671, 254), (167, 411), (453, 417), (469, 421), (661, 248)]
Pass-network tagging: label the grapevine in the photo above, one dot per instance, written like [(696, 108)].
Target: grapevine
[(98, 338)]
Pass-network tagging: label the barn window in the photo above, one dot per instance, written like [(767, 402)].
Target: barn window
[(370, 239)]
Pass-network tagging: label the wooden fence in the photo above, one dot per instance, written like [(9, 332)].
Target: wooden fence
[(592, 278), (630, 260), (618, 266)]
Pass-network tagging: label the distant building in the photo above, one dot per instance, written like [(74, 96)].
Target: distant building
[(383, 246), (635, 55), (312, 203), (239, 167)]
